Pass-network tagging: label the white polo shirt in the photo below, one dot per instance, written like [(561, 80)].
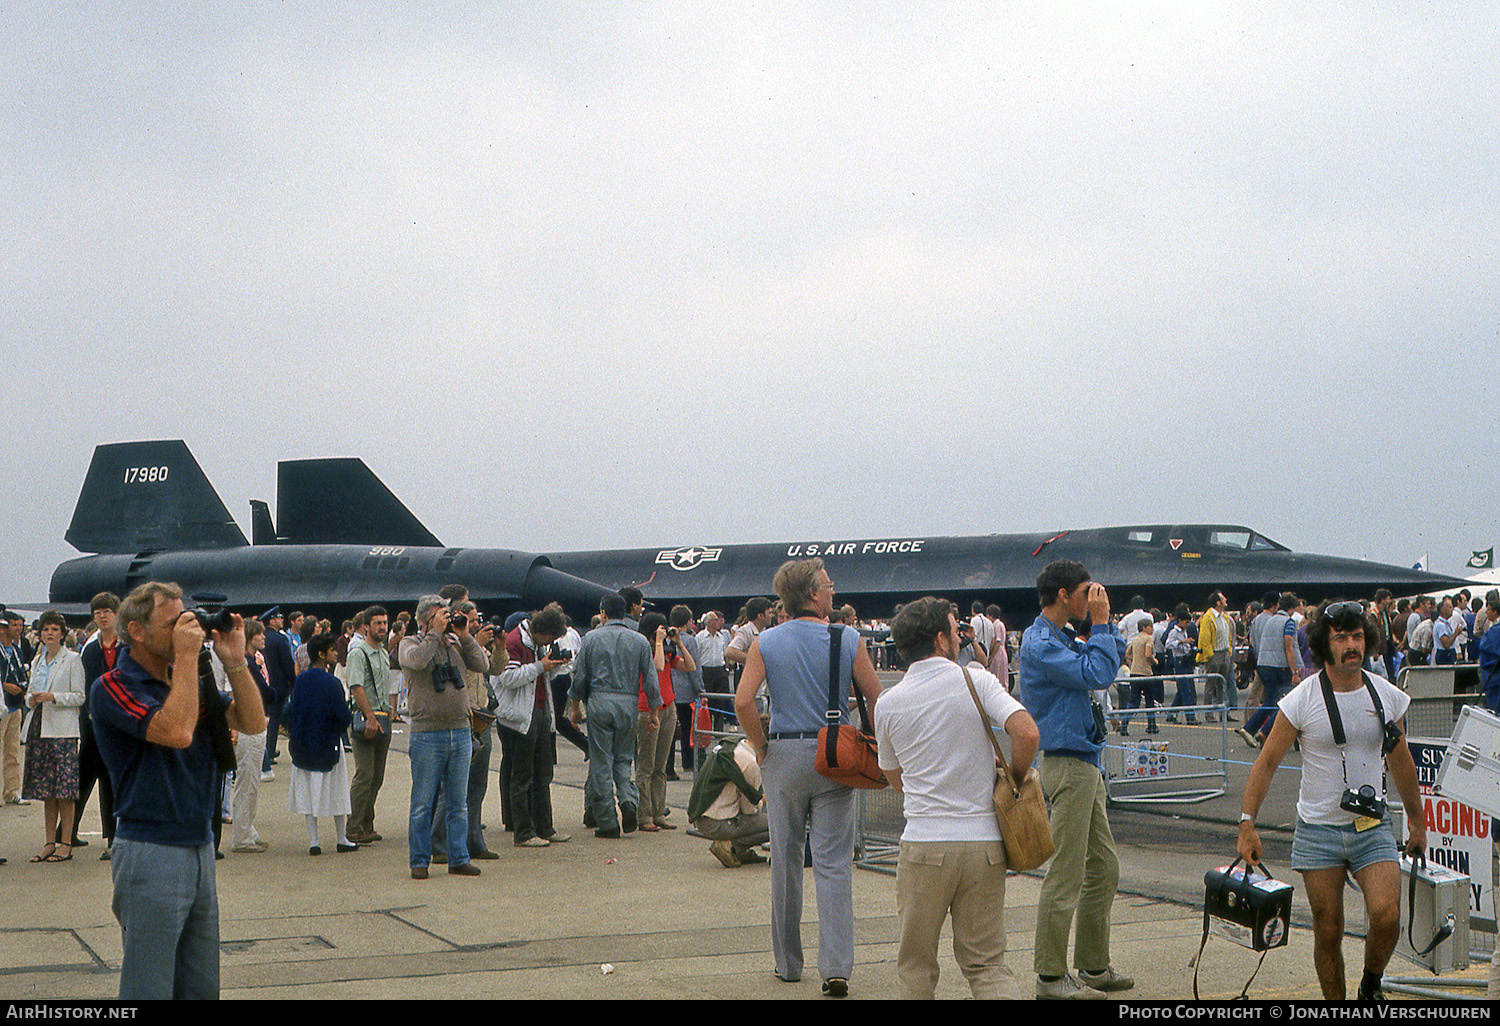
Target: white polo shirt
[(927, 727)]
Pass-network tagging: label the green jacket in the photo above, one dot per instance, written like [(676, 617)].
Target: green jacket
[(717, 769)]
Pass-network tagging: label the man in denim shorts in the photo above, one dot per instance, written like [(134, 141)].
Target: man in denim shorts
[(1342, 822)]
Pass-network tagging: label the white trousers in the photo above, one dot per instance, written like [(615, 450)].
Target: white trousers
[(248, 754)]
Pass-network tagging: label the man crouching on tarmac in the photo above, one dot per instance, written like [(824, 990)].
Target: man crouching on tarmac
[(1350, 725)]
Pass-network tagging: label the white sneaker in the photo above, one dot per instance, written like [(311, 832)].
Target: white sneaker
[(1067, 988), (268, 776)]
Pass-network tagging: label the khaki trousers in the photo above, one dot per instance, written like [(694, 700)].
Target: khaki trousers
[(10, 730), (248, 752), (966, 878), (653, 754), (1084, 872)]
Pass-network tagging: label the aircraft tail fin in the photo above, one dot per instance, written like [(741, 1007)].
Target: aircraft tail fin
[(342, 502), (142, 496), (262, 530)]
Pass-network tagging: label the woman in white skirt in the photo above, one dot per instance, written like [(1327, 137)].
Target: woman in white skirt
[(318, 716)]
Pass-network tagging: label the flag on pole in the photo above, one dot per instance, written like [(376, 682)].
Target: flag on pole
[(1483, 560), (1420, 564)]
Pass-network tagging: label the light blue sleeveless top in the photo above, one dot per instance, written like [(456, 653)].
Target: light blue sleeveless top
[(796, 658)]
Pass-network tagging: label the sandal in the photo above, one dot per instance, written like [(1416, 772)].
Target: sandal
[(54, 857), (46, 854)]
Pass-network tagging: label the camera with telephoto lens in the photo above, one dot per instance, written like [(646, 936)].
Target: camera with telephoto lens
[(556, 651), (221, 620), (1362, 802), (211, 614), (457, 622), (444, 674)]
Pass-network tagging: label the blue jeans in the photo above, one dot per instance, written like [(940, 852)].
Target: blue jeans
[(1278, 681), (1147, 693), (439, 759), (479, 776), (1187, 691), (1319, 846)]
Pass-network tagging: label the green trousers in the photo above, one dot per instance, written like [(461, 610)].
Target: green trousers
[(1084, 871)]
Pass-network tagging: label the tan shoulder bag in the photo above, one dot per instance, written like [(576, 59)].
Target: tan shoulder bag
[(1022, 811)]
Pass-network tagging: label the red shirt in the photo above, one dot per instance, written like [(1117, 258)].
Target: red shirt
[(664, 682)]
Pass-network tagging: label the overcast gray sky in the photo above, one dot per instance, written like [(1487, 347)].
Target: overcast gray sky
[(594, 275)]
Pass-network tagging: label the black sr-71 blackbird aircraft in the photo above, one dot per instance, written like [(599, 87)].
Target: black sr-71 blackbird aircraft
[(344, 541)]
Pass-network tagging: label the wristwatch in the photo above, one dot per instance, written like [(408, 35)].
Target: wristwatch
[(1245, 817)]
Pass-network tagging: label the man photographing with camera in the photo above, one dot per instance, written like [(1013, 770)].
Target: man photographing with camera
[(441, 741), (528, 722), (1349, 724), (1059, 673), (163, 734)]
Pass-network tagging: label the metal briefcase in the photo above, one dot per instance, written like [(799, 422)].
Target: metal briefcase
[(1252, 911), (1434, 903), (1470, 772)]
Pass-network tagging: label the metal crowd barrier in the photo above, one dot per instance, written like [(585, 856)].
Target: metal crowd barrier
[(1183, 762), (1422, 681)]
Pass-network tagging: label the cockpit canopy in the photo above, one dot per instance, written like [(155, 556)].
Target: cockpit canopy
[(1196, 536)]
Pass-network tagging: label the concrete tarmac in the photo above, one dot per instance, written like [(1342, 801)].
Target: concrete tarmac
[(547, 922)]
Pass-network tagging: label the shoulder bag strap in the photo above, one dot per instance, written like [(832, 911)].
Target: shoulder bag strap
[(834, 651), (836, 639), (831, 731), (989, 729)]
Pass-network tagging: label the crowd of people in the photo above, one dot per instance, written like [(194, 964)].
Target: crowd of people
[(177, 734)]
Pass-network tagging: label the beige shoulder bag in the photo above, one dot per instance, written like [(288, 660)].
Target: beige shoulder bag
[(1022, 811)]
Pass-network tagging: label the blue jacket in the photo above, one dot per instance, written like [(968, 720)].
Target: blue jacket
[(1057, 673), (319, 715), (281, 668), (1489, 668)]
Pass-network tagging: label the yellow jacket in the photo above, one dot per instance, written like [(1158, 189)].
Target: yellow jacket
[(1208, 632)]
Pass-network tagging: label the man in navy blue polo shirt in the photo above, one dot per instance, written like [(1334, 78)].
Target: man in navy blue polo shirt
[(156, 732)]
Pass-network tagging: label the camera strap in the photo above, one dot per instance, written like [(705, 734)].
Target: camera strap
[(211, 704), (1330, 703)]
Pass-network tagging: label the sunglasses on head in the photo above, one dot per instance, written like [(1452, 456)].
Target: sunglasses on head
[(1345, 611)]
